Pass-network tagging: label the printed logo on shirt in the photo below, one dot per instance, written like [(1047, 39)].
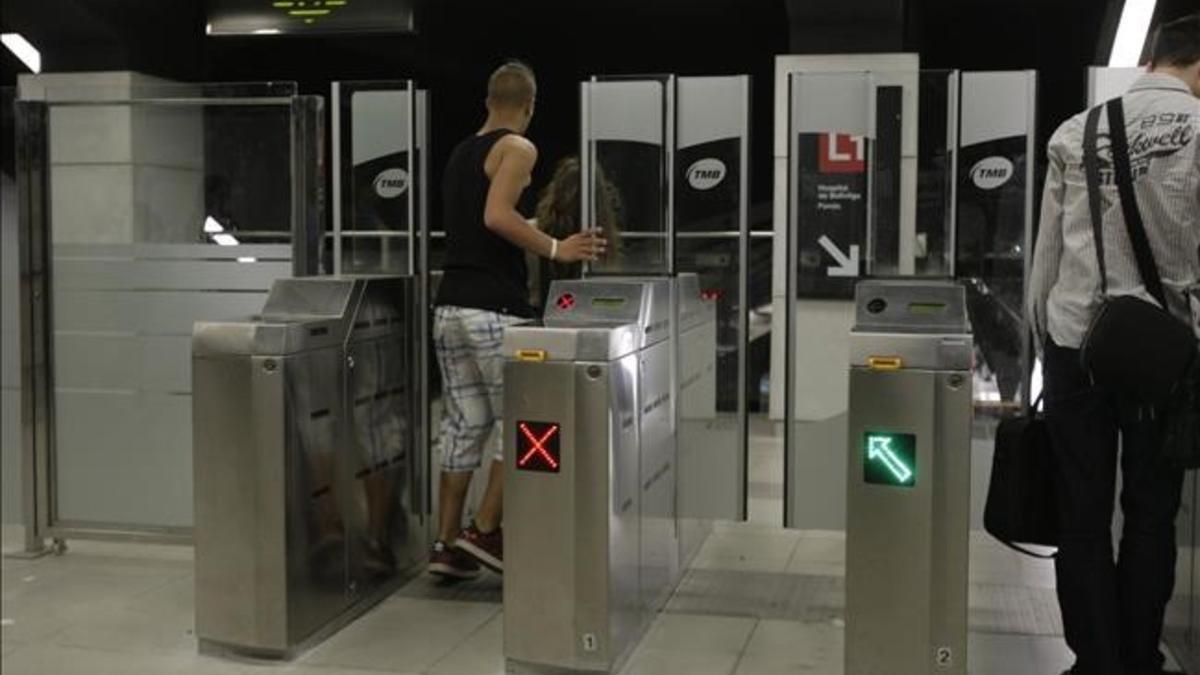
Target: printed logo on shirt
[(391, 183), (992, 172), (706, 174), (1155, 137)]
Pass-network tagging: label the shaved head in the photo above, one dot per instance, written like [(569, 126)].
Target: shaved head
[(512, 86)]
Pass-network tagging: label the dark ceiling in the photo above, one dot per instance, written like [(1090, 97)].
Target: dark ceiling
[(459, 41)]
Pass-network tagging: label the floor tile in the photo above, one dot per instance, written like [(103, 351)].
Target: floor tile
[(662, 662), (819, 553), (129, 630), (766, 551), (404, 635), (699, 633), (995, 654), (306, 669), (51, 602), (756, 665), (802, 645), (481, 654), (46, 659)]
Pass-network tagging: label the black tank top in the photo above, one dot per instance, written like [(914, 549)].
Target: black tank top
[(481, 270)]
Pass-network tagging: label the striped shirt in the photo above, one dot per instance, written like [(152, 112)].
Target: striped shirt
[(1163, 125)]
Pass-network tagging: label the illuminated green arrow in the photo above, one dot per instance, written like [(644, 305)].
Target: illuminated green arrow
[(879, 449)]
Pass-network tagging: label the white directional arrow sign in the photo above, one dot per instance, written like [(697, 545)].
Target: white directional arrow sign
[(847, 265), (879, 449)]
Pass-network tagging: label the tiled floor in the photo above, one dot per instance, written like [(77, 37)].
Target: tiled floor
[(758, 600)]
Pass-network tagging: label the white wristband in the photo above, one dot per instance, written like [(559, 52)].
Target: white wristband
[(553, 248)]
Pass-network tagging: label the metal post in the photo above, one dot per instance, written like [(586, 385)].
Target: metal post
[(410, 88), (1027, 349), (743, 304), (336, 115), (791, 242), (32, 158)]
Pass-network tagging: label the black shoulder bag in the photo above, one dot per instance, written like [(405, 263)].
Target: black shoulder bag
[(1022, 506), (1133, 348)]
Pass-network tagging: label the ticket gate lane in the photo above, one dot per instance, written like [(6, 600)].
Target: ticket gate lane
[(582, 575), (908, 501), (304, 436)]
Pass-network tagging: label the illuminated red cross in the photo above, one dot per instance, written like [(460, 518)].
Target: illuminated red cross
[(537, 445), (566, 301)]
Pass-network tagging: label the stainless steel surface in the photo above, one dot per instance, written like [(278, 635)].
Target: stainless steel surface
[(907, 540), (571, 566), (709, 468), (305, 449), (591, 551), (572, 344), (37, 399), (659, 566), (939, 352), (608, 301), (910, 306)]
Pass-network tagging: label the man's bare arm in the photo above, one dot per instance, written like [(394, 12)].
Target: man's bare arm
[(508, 181), (512, 174)]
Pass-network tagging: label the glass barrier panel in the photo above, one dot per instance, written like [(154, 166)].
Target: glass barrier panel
[(625, 134), (377, 176), (11, 509), (169, 204), (994, 212)]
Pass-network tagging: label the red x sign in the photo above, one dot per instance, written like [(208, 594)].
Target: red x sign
[(566, 302), (538, 446)]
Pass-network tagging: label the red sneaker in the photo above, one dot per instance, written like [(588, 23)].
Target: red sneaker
[(487, 549), (451, 563)]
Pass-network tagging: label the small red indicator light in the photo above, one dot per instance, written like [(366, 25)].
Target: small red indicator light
[(566, 302), (538, 447), (711, 294)]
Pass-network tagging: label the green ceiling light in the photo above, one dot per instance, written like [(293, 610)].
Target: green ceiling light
[(309, 11)]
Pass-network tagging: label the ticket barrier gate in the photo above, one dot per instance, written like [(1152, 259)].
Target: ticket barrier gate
[(306, 471), (908, 504), (589, 439)]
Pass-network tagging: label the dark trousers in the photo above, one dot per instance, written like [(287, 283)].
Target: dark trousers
[(1112, 610)]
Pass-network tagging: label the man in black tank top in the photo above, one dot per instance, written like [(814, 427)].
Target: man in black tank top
[(484, 289)]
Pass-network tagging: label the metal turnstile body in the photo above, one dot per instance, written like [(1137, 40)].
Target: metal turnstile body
[(705, 464), (908, 503), (589, 439), (307, 472)]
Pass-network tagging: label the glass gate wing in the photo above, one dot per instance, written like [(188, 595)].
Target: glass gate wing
[(380, 210), (626, 170), (665, 176), (711, 233), (376, 171)]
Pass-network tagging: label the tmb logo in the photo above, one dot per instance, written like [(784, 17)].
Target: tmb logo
[(841, 153), (391, 183), (706, 174), (992, 172)]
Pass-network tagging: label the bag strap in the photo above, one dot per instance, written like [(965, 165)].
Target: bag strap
[(1029, 552), (1091, 167), (1129, 206)]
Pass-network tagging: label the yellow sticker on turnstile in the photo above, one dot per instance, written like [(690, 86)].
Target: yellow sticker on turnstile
[(532, 355), (885, 362)]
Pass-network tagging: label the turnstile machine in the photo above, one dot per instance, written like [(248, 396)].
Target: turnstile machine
[(307, 473), (589, 434), (908, 503)]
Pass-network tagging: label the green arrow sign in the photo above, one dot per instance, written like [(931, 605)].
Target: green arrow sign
[(890, 459)]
